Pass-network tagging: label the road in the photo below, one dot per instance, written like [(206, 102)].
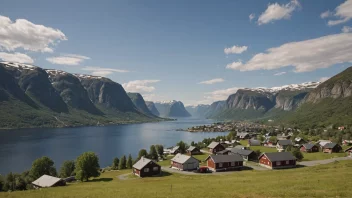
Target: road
[(326, 161)]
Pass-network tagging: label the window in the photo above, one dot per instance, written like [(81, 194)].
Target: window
[(232, 163), (278, 163), (146, 170), (287, 162), (220, 165), (155, 168)]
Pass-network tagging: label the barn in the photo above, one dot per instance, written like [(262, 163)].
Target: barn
[(332, 148), (184, 162), (224, 162), (192, 150), (215, 147), (48, 181), (146, 167), (309, 148), (277, 160)]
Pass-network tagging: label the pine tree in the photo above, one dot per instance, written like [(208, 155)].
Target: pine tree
[(115, 164), (129, 161), (122, 164)]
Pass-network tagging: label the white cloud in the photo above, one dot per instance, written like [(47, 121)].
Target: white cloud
[(212, 81), (217, 95), (280, 73), (343, 13), (326, 14), (251, 16), (346, 29), (235, 49), (323, 79), (305, 55), (28, 36), (276, 12), (16, 57), (101, 71), (68, 59), (234, 65), (140, 86)]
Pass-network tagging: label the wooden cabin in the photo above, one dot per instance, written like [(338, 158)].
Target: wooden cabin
[(331, 148), (277, 160), (282, 145), (184, 162), (215, 147), (224, 162), (309, 148), (46, 181), (192, 150), (146, 167)]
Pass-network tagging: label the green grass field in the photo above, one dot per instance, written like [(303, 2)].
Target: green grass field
[(332, 180)]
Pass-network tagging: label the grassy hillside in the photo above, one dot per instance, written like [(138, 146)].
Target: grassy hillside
[(323, 113), (332, 180)]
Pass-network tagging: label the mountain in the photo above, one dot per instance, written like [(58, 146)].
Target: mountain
[(198, 111), (152, 108), (256, 103), (329, 103), (139, 102), (172, 109), (34, 97)]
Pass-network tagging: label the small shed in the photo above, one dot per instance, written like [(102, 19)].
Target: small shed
[(224, 162), (48, 181), (192, 150), (309, 148), (277, 160), (184, 162), (146, 167), (332, 148), (215, 147)]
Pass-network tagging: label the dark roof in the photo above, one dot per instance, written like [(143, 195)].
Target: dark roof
[(241, 151), (225, 158), (284, 142), (348, 149), (330, 145), (279, 156), (308, 146), (222, 152)]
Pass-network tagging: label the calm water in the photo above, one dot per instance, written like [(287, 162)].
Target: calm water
[(18, 148)]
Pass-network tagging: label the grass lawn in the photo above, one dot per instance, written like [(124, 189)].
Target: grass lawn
[(331, 180)]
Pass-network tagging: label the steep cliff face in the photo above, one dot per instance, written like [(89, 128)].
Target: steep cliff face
[(172, 109), (72, 91), (247, 99), (215, 108), (35, 83), (339, 86), (198, 111), (289, 100), (139, 102), (106, 92), (152, 108)]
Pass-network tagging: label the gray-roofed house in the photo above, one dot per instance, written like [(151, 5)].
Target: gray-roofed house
[(224, 162), (223, 152), (146, 167), (309, 148), (277, 160), (281, 145), (192, 150), (215, 147), (244, 153), (242, 135), (332, 148), (175, 150), (253, 142), (48, 181), (184, 162)]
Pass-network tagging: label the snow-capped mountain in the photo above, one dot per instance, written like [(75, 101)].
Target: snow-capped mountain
[(291, 87)]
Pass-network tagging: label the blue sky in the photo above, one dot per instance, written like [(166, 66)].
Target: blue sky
[(165, 49)]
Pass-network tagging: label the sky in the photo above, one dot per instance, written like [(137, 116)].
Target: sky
[(195, 51)]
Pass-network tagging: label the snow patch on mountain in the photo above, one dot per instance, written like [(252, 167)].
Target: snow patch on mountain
[(19, 66), (292, 87)]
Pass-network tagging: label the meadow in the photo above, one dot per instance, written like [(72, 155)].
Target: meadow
[(331, 180)]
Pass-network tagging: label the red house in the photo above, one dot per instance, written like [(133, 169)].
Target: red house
[(146, 167), (224, 162), (277, 160), (309, 148), (215, 147)]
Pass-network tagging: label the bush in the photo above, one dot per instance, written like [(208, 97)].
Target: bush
[(298, 154), (87, 165)]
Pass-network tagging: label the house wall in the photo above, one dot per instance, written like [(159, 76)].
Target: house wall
[(303, 149), (151, 171), (190, 164), (218, 148), (283, 164), (225, 165), (264, 161)]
